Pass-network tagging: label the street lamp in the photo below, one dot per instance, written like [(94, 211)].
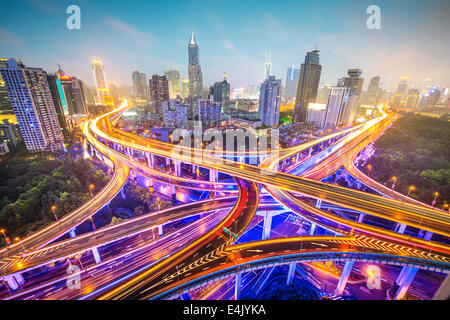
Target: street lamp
[(54, 212), (17, 239), (394, 178), (91, 186), (93, 224), (445, 206), (436, 194), (370, 169), (411, 188)]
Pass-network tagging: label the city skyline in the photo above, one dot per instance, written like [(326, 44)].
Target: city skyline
[(125, 44)]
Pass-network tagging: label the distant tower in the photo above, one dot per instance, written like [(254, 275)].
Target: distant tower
[(268, 64), (308, 85), (402, 86), (292, 75), (99, 77), (372, 90), (194, 69), (270, 101)]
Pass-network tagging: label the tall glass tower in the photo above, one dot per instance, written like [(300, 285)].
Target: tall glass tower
[(194, 69)]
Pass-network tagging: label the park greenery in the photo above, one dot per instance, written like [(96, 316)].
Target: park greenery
[(30, 184), (416, 150)]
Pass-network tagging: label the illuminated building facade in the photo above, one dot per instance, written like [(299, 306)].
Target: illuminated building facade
[(32, 102), (308, 84), (173, 77), (270, 101), (194, 69), (159, 91)]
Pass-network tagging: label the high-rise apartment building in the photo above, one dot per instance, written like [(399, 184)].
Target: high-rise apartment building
[(209, 111), (159, 91), (341, 107), (412, 99), (101, 83), (291, 82), (74, 92), (308, 84), (174, 114), (5, 105), (402, 86), (141, 89), (173, 77), (184, 88), (353, 81), (59, 101), (32, 102), (372, 91), (270, 101), (194, 69), (221, 93)]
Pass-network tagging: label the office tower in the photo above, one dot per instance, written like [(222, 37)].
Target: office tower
[(184, 88), (353, 81), (74, 95), (412, 99), (9, 133), (5, 105), (268, 65), (209, 111), (31, 100), (173, 77), (316, 114), (100, 79), (431, 98), (141, 91), (174, 114), (159, 91), (221, 93), (322, 94), (308, 84), (291, 82), (372, 90), (114, 92), (402, 86), (59, 101), (341, 107), (194, 69), (270, 101)]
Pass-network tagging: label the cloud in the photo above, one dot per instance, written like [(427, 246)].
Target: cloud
[(8, 38), (141, 38), (228, 44)]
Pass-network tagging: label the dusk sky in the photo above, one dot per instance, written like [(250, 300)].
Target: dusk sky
[(151, 36)]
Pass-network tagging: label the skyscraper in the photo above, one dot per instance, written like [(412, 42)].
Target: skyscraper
[(32, 102), (308, 84), (372, 90), (159, 91), (100, 79), (270, 101), (184, 88), (353, 81), (341, 107), (59, 102), (291, 82), (74, 95), (173, 77), (412, 99), (141, 91), (221, 93), (194, 69), (402, 86)]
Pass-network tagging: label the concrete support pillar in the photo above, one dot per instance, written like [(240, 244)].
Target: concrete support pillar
[(96, 255), (267, 225), (213, 175), (237, 287), (160, 230), (291, 273), (318, 203), (344, 277), (149, 157), (11, 282), (426, 235), (72, 233), (400, 228), (122, 193), (361, 217), (19, 278), (177, 168), (312, 229), (174, 193), (405, 282), (443, 293), (310, 152), (168, 162)]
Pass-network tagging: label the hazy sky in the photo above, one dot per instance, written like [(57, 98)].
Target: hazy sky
[(151, 36)]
